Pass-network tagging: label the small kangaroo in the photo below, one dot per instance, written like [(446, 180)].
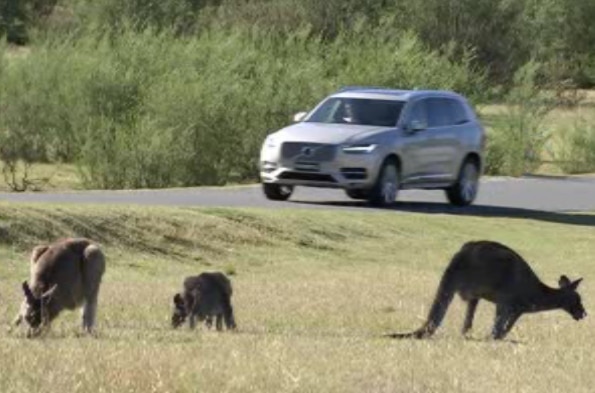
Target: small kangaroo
[(493, 272), (204, 296), (64, 275)]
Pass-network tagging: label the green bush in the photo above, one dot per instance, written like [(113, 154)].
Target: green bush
[(503, 34), (519, 136), (152, 109), (39, 97), (495, 154), (576, 150)]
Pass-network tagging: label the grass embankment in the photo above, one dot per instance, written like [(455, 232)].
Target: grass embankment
[(313, 291)]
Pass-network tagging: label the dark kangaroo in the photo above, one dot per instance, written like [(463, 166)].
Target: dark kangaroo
[(64, 275), (204, 296), (493, 272)]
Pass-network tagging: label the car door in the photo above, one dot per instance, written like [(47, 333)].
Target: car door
[(446, 123), (417, 157)]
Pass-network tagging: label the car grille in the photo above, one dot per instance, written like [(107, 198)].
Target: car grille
[(311, 152), (307, 177)]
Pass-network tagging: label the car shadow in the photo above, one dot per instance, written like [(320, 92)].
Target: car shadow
[(560, 217)]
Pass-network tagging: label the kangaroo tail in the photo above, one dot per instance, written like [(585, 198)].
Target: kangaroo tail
[(443, 298), (93, 268)]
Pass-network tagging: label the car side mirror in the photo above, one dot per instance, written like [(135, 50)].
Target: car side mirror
[(299, 116), (416, 125)]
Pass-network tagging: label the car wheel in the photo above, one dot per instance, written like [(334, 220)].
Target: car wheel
[(464, 191), (357, 194), (277, 192), (386, 189)]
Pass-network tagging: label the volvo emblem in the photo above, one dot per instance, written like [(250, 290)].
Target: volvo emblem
[(307, 151)]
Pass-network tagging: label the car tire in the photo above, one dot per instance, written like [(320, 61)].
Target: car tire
[(464, 191), (385, 190), (357, 194), (277, 192)]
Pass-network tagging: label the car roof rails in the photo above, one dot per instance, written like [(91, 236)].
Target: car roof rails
[(351, 88)]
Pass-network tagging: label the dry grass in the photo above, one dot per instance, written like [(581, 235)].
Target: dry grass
[(313, 291), (557, 120), (558, 123), (46, 177)]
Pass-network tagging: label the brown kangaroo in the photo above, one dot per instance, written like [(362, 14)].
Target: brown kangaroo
[(493, 272), (64, 275), (204, 296)]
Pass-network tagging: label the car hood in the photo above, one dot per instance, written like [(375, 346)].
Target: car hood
[(327, 133)]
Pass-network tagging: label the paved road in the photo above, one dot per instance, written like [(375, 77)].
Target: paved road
[(497, 195)]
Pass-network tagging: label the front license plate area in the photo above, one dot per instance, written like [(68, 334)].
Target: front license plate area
[(307, 166)]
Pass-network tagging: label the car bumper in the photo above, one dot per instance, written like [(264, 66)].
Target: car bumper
[(346, 172)]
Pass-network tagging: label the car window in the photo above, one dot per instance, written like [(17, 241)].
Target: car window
[(419, 113), (459, 114), (361, 111), (439, 112), (327, 112)]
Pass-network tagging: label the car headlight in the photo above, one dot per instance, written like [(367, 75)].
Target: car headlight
[(361, 148), (270, 143)]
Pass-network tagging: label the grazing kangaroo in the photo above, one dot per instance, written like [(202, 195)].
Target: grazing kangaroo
[(493, 272), (64, 275), (204, 296)]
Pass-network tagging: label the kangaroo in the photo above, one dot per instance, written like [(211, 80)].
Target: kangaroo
[(204, 296), (63, 275), (493, 272)]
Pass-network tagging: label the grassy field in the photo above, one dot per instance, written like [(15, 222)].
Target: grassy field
[(313, 291)]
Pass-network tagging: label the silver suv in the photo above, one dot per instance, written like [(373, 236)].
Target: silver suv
[(372, 142)]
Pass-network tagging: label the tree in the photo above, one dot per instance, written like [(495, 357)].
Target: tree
[(17, 15)]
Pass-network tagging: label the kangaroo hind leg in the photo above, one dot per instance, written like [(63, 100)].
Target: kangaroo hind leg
[(219, 322), (209, 321), (469, 315), (92, 273), (228, 317)]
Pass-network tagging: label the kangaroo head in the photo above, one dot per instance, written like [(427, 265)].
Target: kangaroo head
[(35, 309), (571, 300), (179, 313)]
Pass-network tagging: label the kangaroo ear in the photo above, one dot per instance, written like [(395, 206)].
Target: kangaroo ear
[(47, 296), (28, 294), (564, 281), (575, 284), (178, 301)]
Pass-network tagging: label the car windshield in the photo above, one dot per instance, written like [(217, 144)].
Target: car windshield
[(360, 111)]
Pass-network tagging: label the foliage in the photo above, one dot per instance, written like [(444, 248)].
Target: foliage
[(519, 137), (153, 109), (576, 153), (148, 93)]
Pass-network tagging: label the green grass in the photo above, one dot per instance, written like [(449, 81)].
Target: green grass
[(313, 290)]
